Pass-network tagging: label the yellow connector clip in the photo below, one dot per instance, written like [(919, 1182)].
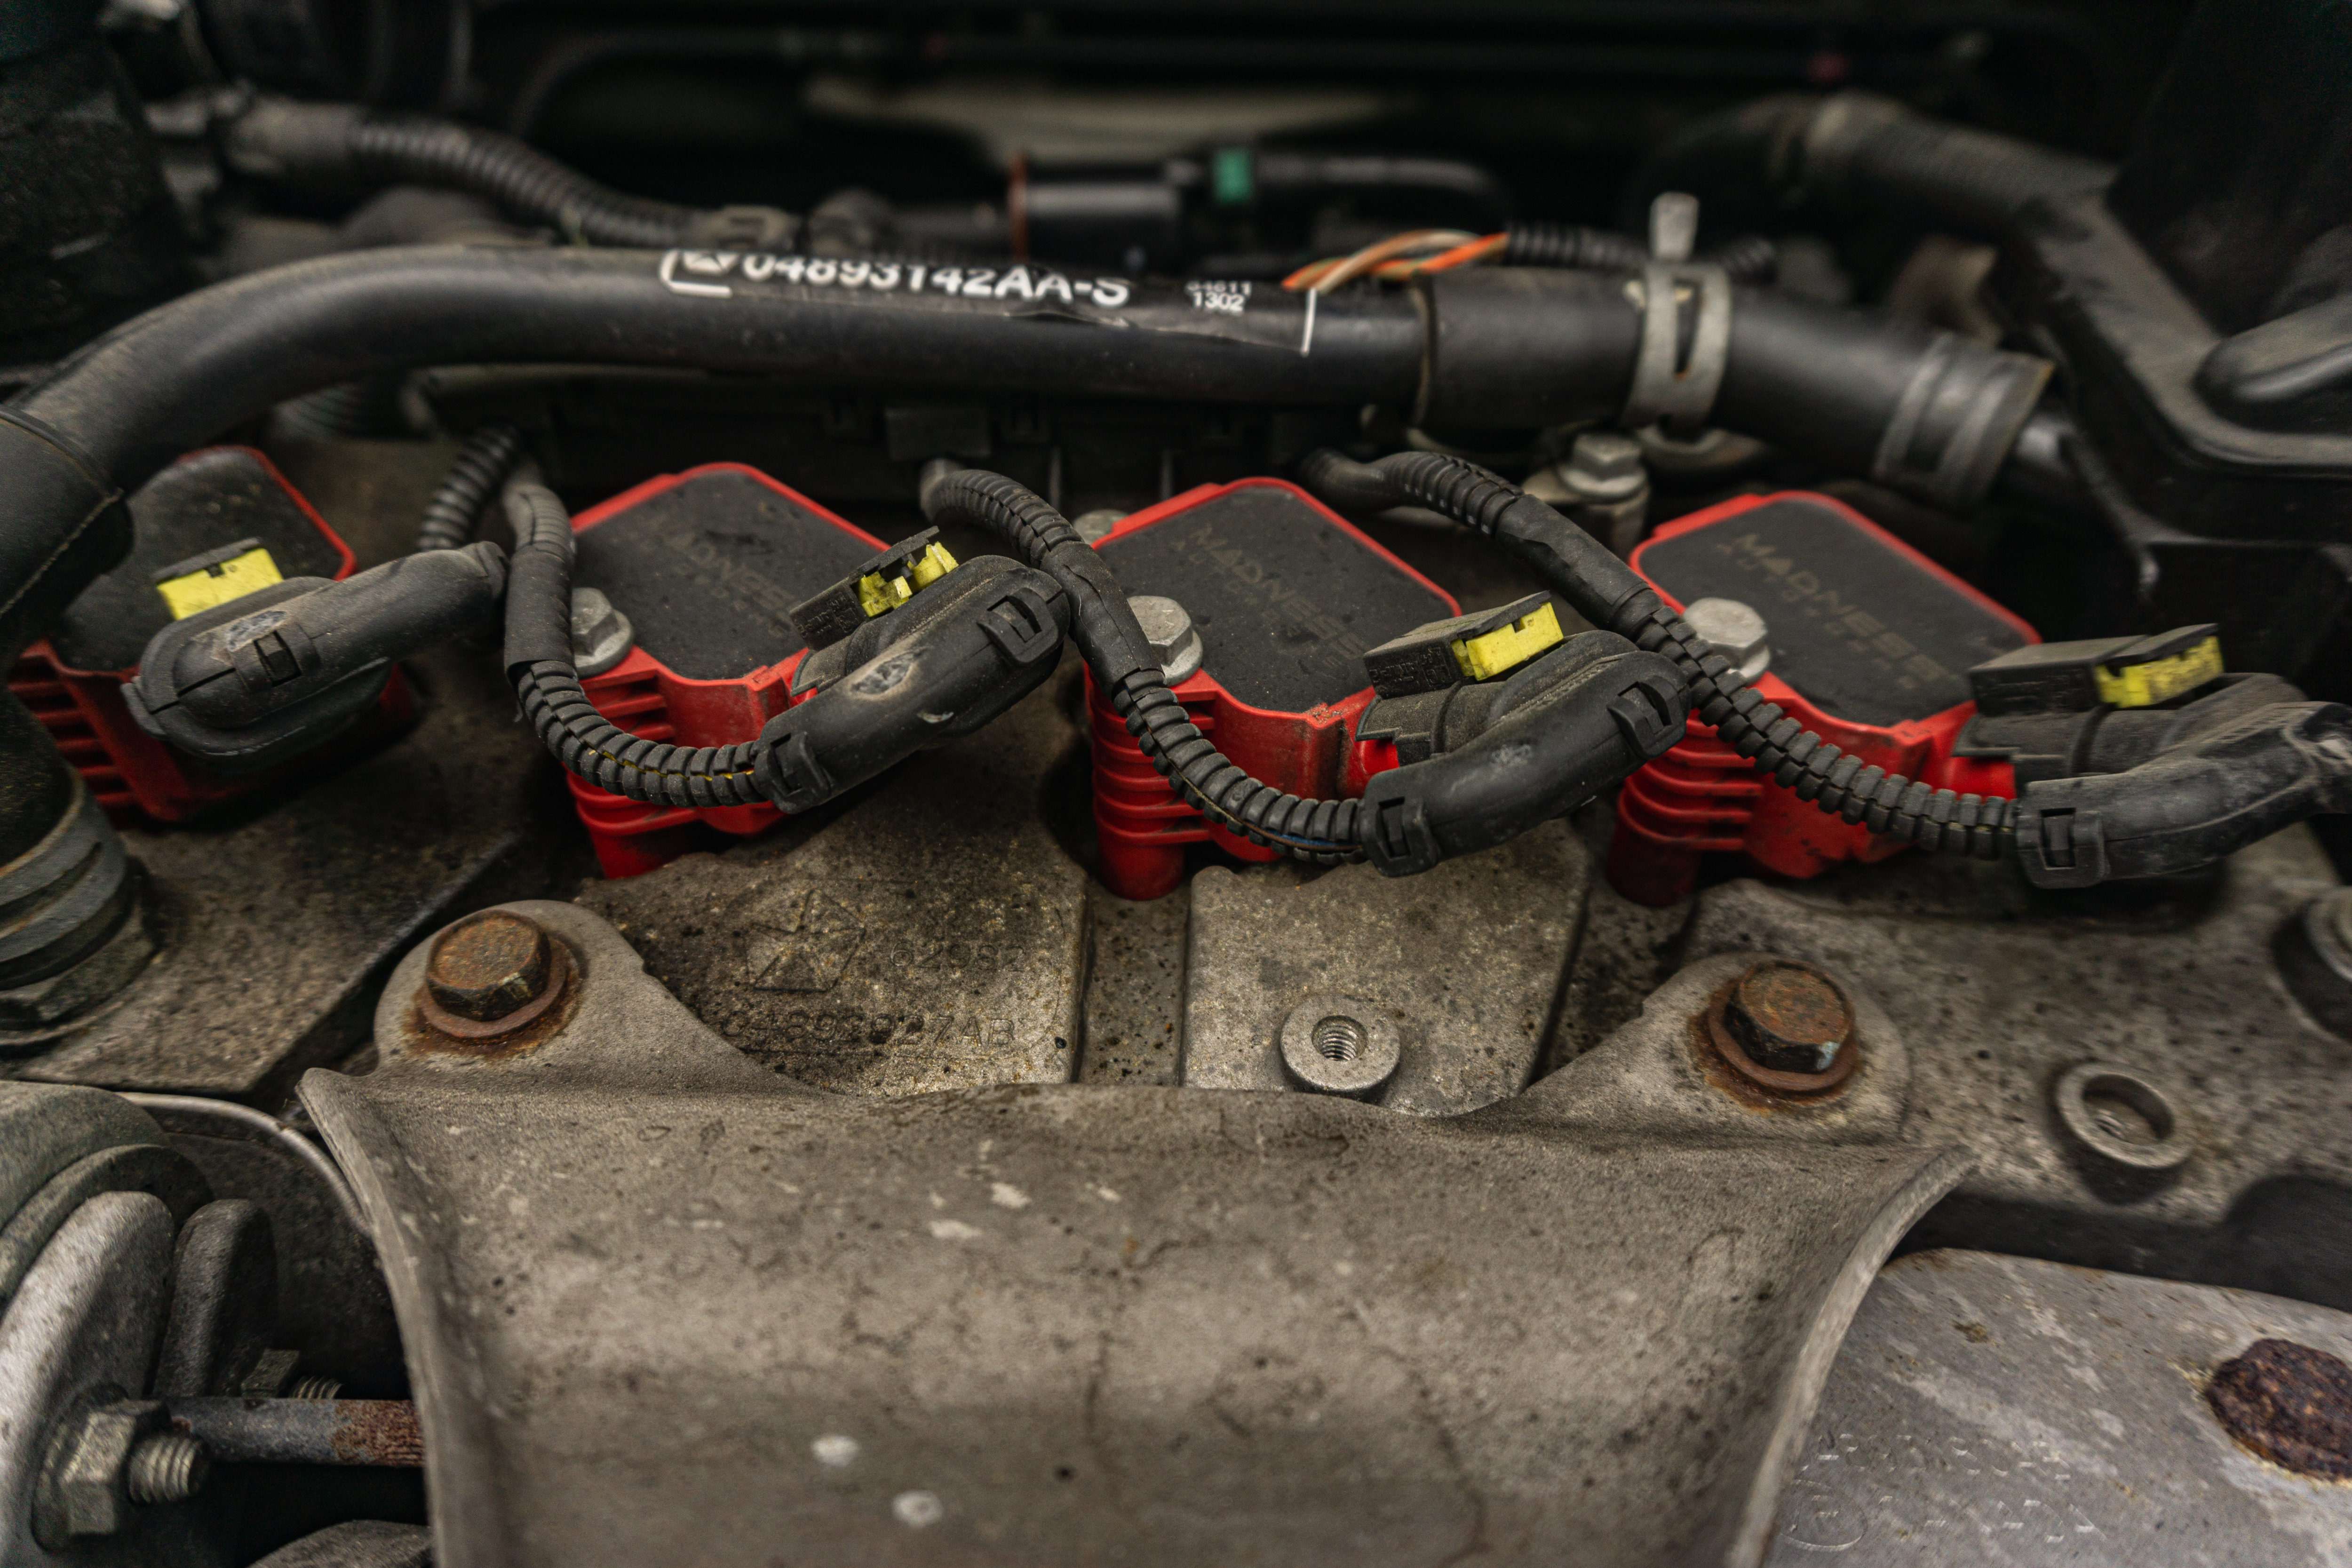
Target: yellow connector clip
[(2160, 679), (878, 595), (218, 582), (1507, 648)]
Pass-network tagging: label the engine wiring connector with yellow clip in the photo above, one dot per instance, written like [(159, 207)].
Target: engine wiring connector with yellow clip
[(1473, 647), (876, 588)]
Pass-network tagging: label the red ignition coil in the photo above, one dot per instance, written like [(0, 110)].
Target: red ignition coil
[(1264, 602), (1864, 641), (704, 568)]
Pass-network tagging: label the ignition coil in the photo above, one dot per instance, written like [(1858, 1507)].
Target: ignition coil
[(1270, 601), (698, 573), (216, 524), (1854, 633), (911, 649)]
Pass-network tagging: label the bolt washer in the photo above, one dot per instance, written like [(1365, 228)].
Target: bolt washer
[(559, 968), (2144, 1093), (1725, 1040), (1374, 1050)]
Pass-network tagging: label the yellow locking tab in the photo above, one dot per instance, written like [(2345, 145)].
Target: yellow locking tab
[(879, 593), (1507, 648), (216, 578), (2160, 679)]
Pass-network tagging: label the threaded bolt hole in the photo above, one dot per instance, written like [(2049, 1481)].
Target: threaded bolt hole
[(1339, 1039)]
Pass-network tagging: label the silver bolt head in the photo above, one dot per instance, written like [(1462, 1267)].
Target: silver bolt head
[(85, 1485), (600, 636), (1372, 1051), (1167, 627), (1604, 466), (1734, 630)]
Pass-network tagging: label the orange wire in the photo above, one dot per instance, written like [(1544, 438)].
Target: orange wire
[(1399, 269), (1324, 276)]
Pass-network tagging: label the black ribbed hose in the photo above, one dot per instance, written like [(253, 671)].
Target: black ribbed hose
[(489, 455), (336, 145), (1749, 258), (1611, 594), (1325, 832), (400, 149), (547, 683)]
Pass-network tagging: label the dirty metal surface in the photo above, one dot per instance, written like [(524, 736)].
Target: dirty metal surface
[(1466, 960), (931, 936), (284, 921), (2000, 991), (664, 1304), (2001, 1410), (1135, 988)]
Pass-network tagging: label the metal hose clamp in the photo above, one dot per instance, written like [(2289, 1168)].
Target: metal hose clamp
[(1668, 389)]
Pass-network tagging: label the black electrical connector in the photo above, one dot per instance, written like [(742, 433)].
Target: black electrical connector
[(288, 667), (2279, 764)]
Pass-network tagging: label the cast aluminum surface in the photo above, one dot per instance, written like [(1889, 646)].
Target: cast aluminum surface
[(1466, 960), (932, 935), (1991, 1410), (663, 1305)]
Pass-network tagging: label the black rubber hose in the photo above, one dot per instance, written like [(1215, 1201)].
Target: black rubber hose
[(1924, 411), (340, 144), (1863, 153), (488, 458), (1611, 595), (1326, 832), (547, 683)]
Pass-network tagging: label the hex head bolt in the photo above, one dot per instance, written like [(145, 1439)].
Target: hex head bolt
[(490, 974), (1786, 1027)]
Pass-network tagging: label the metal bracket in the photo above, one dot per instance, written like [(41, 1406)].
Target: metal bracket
[(1668, 388)]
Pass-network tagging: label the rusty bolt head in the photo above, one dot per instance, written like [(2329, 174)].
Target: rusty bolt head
[(488, 967), (1790, 1018), (2290, 1403)]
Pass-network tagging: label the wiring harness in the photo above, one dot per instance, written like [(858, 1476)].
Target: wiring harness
[(1609, 595), (1325, 832), (547, 682)]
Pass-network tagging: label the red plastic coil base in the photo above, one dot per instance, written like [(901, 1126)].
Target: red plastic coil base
[(647, 698), (1702, 797), (1141, 826)]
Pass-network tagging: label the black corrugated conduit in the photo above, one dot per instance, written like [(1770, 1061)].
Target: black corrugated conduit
[(547, 683), (340, 144), (1749, 258), (488, 458)]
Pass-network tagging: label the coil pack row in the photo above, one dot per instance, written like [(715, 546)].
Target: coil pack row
[(708, 604)]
